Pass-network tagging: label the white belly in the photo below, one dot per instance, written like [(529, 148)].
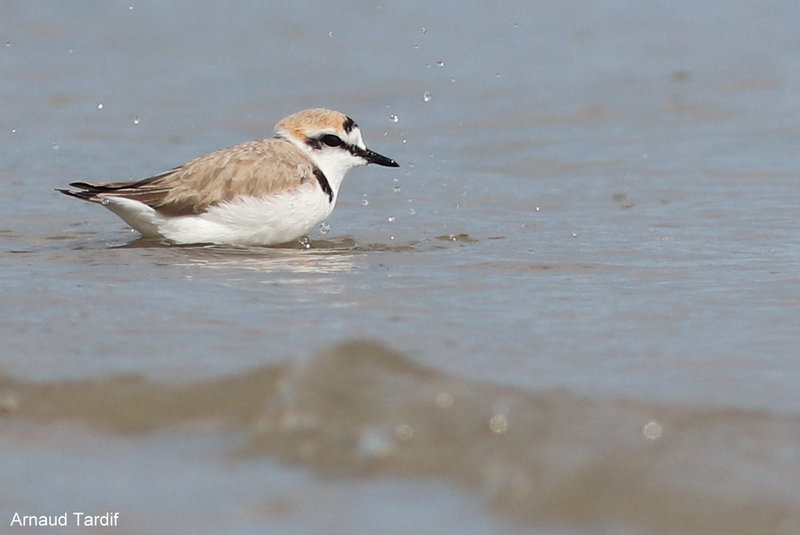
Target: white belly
[(270, 220)]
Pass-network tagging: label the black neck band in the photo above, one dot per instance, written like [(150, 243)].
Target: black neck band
[(323, 182)]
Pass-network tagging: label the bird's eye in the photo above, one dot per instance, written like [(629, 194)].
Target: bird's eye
[(331, 140)]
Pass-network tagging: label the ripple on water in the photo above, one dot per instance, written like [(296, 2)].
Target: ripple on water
[(360, 408)]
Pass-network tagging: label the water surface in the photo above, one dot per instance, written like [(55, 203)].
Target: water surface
[(574, 306)]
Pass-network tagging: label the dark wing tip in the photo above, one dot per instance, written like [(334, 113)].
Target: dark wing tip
[(95, 188), (87, 192)]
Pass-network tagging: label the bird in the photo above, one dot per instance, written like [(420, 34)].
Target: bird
[(258, 193)]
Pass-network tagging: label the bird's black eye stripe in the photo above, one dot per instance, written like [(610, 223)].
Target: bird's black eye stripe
[(331, 140)]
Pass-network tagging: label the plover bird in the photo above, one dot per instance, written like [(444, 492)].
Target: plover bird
[(264, 192)]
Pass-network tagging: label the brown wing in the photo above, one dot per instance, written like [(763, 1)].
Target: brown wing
[(256, 168)]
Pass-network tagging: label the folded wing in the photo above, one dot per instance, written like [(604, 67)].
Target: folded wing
[(256, 169)]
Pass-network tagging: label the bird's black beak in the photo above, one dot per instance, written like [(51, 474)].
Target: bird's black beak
[(379, 159)]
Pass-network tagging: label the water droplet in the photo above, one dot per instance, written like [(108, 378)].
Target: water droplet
[(390, 219), (411, 211), (498, 423), (394, 118), (440, 63), (364, 200), (55, 145), (375, 443), (13, 130), (9, 403), (404, 141), (652, 430), (330, 34), (100, 106), (423, 30), (8, 43), (130, 7), (305, 243), (444, 400), (324, 228), (136, 120), (404, 432), (427, 96), (397, 189), (497, 75)]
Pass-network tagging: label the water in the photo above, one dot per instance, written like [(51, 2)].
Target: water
[(580, 288)]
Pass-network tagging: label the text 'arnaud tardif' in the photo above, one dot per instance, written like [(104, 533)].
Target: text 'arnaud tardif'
[(79, 519)]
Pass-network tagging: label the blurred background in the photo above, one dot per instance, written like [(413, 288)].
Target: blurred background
[(574, 305)]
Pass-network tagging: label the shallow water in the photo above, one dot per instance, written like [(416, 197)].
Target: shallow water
[(582, 281), (361, 413)]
